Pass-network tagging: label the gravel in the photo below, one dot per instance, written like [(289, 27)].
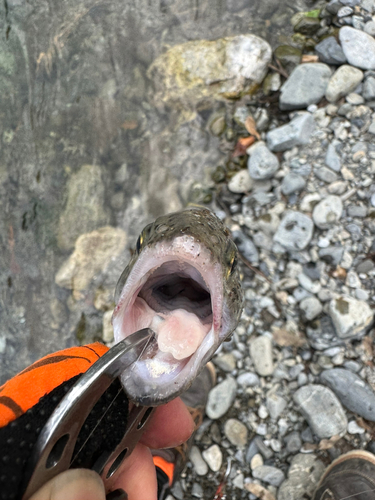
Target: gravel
[(296, 385)]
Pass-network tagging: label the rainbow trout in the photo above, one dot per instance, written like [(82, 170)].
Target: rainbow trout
[(183, 283)]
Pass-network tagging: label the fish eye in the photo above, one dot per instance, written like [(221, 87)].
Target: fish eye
[(138, 245), (233, 265)]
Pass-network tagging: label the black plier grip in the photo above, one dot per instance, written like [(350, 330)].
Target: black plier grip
[(53, 451)]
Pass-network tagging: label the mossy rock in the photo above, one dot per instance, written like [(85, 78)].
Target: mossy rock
[(288, 56)]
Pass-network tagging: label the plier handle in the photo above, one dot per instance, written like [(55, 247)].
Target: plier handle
[(53, 451)]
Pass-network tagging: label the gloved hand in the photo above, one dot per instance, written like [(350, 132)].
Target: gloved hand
[(27, 401)]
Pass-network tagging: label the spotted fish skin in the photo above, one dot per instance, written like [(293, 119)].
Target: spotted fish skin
[(190, 253)]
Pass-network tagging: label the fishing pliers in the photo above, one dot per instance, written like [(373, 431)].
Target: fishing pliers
[(83, 422)]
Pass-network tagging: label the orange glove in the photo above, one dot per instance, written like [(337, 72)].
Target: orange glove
[(28, 400)]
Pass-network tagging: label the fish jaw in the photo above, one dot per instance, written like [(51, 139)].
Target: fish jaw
[(164, 371)]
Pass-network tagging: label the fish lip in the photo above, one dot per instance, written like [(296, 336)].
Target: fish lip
[(138, 382), (196, 255)]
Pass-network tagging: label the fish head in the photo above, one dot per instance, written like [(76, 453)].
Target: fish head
[(182, 282)]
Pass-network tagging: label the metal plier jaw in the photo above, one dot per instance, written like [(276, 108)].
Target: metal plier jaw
[(53, 451)]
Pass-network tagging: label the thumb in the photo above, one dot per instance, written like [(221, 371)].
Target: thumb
[(73, 484)]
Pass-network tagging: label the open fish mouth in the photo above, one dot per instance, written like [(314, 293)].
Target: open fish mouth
[(175, 288)]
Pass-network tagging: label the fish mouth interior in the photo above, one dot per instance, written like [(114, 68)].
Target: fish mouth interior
[(177, 285)]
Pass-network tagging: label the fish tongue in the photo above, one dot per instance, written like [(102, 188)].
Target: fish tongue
[(180, 333)]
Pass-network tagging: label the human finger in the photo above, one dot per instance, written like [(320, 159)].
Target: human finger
[(170, 426), (73, 484)]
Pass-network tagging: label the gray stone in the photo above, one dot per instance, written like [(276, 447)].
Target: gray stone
[(303, 476), (213, 457), (306, 85), (238, 481), (248, 379), (331, 255), (327, 212), (369, 88), (294, 231), (236, 432), (370, 28), (333, 6), (246, 246), (350, 3), (275, 405), (354, 99), (368, 5), (352, 391), (84, 210), (332, 159), (345, 11), (350, 317), (221, 398), (357, 211), (292, 183), (262, 164), (227, 362), (261, 354), (241, 182), (330, 52), (197, 491), (293, 442), (325, 174), (311, 308), (365, 266), (269, 474), (322, 410), (295, 133), (344, 80), (196, 459), (358, 47)]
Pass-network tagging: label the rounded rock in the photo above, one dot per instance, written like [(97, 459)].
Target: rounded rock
[(241, 182), (213, 457), (262, 163), (295, 231), (261, 354), (358, 47), (342, 82), (322, 410), (327, 212), (350, 317), (352, 391), (196, 459), (311, 308), (221, 398), (306, 85), (269, 474), (330, 52), (292, 183), (236, 432)]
